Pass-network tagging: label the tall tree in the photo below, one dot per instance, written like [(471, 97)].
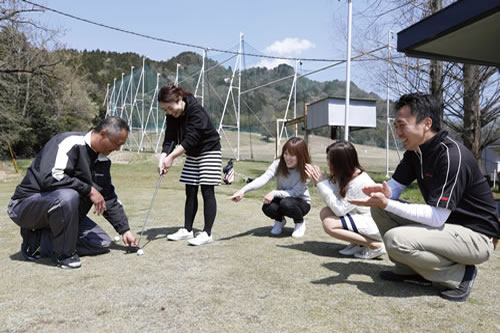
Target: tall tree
[(469, 94)]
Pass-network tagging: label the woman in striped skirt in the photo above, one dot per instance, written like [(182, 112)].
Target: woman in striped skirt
[(189, 126)]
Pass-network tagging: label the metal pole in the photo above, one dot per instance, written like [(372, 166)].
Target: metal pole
[(176, 82), (295, 98), (239, 96), (203, 78), (387, 128), (348, 72)]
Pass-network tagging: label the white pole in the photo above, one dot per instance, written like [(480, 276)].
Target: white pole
[(203, 78), (176, 82), (348, 72), (239, 95), (387, 107)]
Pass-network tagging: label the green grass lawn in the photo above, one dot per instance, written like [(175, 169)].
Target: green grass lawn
[(245, 281)]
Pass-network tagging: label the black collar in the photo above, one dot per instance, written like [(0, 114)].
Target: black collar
[(431, 144)]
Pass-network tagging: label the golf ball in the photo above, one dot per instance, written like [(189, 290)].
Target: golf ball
[(140, 252), (117, 238)]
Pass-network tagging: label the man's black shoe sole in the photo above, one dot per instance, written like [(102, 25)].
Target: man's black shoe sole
[(413, 279), (461, 293)]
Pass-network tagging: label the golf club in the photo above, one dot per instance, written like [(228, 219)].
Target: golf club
[(140, 251)]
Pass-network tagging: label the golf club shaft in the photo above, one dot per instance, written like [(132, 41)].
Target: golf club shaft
[(153, 200), (149, 211)]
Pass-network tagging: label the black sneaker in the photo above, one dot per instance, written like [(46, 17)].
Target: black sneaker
[(412, 278), (461, 293), (70, 262), (30, 248)]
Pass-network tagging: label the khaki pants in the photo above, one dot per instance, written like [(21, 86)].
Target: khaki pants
[(437, 254)]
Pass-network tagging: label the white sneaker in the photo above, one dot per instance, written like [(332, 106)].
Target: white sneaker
[(181, 234), (300, 229), (351, 249), (201, 239), (278, 227), (368, 253)]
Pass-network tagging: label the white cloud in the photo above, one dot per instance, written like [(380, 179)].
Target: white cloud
[(289, 46)]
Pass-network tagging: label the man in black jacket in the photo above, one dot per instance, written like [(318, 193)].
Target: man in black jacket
[(443, 240), (69, 175)]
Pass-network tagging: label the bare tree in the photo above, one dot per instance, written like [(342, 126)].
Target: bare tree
[(34, 80), (469, 94)]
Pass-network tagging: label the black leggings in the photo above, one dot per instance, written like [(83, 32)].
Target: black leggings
[(294, 208), (191, 207)]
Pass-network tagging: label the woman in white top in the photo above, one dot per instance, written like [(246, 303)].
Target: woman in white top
[(341, 219), (291, 197)]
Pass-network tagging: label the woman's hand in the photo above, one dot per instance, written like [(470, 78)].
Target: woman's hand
[(165, 163), (237, 196), (315, 174), (268, 198)]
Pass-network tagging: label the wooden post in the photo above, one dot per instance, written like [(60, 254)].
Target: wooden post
[(12, 155)]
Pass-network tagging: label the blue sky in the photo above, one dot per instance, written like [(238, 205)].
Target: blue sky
[(290, 28)]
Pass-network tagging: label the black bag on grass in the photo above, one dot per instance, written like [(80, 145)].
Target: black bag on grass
[(228, 172)]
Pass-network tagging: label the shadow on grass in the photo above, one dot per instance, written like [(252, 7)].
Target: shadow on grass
[(153, 234), (355, 267), (42, 261), (378, 287), (260, 232), (323, 249)]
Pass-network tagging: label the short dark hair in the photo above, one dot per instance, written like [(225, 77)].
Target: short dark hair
[(423, 106), (114, 125)]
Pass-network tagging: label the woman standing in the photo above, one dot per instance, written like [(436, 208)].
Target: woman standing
[(291, 197), (340, 218), (189, 126)]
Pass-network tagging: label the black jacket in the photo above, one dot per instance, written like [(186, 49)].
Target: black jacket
[(448, 176), (193, 130), (68, 161)]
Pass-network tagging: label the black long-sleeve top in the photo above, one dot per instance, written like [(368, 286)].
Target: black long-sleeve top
[(192, 130)]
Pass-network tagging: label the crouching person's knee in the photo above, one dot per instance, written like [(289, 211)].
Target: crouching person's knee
[(92, 239), (397, 243)]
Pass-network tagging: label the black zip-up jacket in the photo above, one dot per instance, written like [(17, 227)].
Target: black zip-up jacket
[(68, 161), (193, 130), (448, 176)]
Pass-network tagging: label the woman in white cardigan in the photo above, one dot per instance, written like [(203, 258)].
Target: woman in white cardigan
[(341, 219)]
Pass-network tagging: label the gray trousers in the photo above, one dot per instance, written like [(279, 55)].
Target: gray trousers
[(62, 214), (438, 254)]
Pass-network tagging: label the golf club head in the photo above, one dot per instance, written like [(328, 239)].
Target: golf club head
[(132, 249)]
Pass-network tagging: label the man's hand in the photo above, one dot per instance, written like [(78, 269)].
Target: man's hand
[(129, 239), (268, 198), (315, 174), (378, 188), (375, 199), (98, 201), (237, 196)]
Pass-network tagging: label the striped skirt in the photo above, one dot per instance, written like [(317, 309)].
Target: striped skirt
[(202, 170)]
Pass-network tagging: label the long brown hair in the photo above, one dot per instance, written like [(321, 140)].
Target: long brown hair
[(171, 94), (342, 162), (297, 147)]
